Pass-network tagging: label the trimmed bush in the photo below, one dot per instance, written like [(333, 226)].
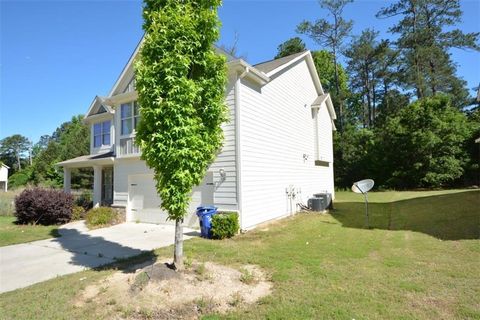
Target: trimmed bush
[(225, 225), (78, 213), (101, 216), (43, 206)]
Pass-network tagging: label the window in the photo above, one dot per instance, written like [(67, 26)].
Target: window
[(130, 116), (101, 134)]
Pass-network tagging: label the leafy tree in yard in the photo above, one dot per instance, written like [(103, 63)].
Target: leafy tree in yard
[(472, 167), (330, 35), (291, 46), (71, 139), (181, 85), (13, 149), (353, 154), (41, 144), (424, 144), (75, 138)]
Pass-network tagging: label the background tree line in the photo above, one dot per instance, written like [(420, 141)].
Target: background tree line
[(405, 118), (35, 163)]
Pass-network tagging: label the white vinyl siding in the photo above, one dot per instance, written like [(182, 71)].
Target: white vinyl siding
[(324, 146), (277, 130), (225, 195), (122, 169)]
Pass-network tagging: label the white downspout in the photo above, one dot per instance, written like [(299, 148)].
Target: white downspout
[(238, 157)]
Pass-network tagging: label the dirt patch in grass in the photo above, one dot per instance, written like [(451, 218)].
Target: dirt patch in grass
[(155, 291)]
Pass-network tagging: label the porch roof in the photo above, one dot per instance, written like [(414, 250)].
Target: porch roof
[(88, 160)]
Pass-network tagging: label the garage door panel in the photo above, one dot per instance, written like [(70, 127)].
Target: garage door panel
[(144, 202)]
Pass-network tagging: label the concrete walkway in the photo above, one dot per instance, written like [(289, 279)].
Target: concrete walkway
[(78, 249)]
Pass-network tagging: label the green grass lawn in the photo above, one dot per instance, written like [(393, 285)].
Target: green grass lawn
[(328, 266), (11, 233)]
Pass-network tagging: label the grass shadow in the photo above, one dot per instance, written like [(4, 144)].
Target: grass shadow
[(447, 217)]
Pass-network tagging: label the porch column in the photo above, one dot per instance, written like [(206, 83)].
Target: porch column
[(97, 186), (67, 178)]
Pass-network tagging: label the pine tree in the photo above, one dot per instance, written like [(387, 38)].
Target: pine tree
[(425, 37), (331, 35)]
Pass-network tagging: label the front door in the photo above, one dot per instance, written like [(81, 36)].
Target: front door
[(107, 186)]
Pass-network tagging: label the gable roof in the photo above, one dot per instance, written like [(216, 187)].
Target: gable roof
[(261, 73), (4, 165), (96, 105), (271, 65)]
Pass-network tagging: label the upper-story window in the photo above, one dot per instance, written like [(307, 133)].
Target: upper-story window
[(130, 116), (101, 134)]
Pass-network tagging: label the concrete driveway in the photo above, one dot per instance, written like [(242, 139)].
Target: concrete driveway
[(78, 249)]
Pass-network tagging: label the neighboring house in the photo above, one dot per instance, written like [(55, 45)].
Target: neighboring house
[(3, 177), (277, 150)]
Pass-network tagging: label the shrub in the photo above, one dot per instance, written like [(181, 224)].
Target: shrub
[(225, 225), (18, 179), (101, 216), (85, 200), (43, 206), (78, 213)]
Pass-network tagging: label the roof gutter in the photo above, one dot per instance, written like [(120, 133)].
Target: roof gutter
[(247, 71)]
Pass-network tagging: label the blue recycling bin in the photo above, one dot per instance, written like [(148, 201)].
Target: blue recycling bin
[(204, 215)]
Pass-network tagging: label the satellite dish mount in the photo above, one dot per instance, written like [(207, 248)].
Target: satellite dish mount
[(363, 187)]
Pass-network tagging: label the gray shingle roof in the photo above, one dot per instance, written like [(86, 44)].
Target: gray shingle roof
[(268, 66), (86, 158)]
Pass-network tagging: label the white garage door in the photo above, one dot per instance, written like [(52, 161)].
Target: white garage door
[(144, 203)]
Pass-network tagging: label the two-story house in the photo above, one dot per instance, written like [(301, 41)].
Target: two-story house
[(277, 150)]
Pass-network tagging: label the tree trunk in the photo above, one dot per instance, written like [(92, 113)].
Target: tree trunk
[(369, 99), (178, 253), (433, 78), (18, 160), (419, 80), (337, 89), (374, 98)]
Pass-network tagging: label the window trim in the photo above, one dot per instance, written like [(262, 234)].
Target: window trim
[(134, 105), (102, 133)]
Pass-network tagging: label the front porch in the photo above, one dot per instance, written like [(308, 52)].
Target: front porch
[(102, 165)]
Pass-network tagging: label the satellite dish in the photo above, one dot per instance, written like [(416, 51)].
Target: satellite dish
[(363, 186)]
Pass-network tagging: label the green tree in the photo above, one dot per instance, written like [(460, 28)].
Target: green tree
[(371, 66), (13, 150), (426, 33), (423, 145), (71, 139), (331, 35), (41, 144), (291, 46), (181, 86), (354, 156), (74, 139)]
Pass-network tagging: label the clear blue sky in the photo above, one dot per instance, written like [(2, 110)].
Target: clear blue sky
[(55, 56)]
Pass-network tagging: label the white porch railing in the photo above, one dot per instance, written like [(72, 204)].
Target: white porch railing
[(128, 147)]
